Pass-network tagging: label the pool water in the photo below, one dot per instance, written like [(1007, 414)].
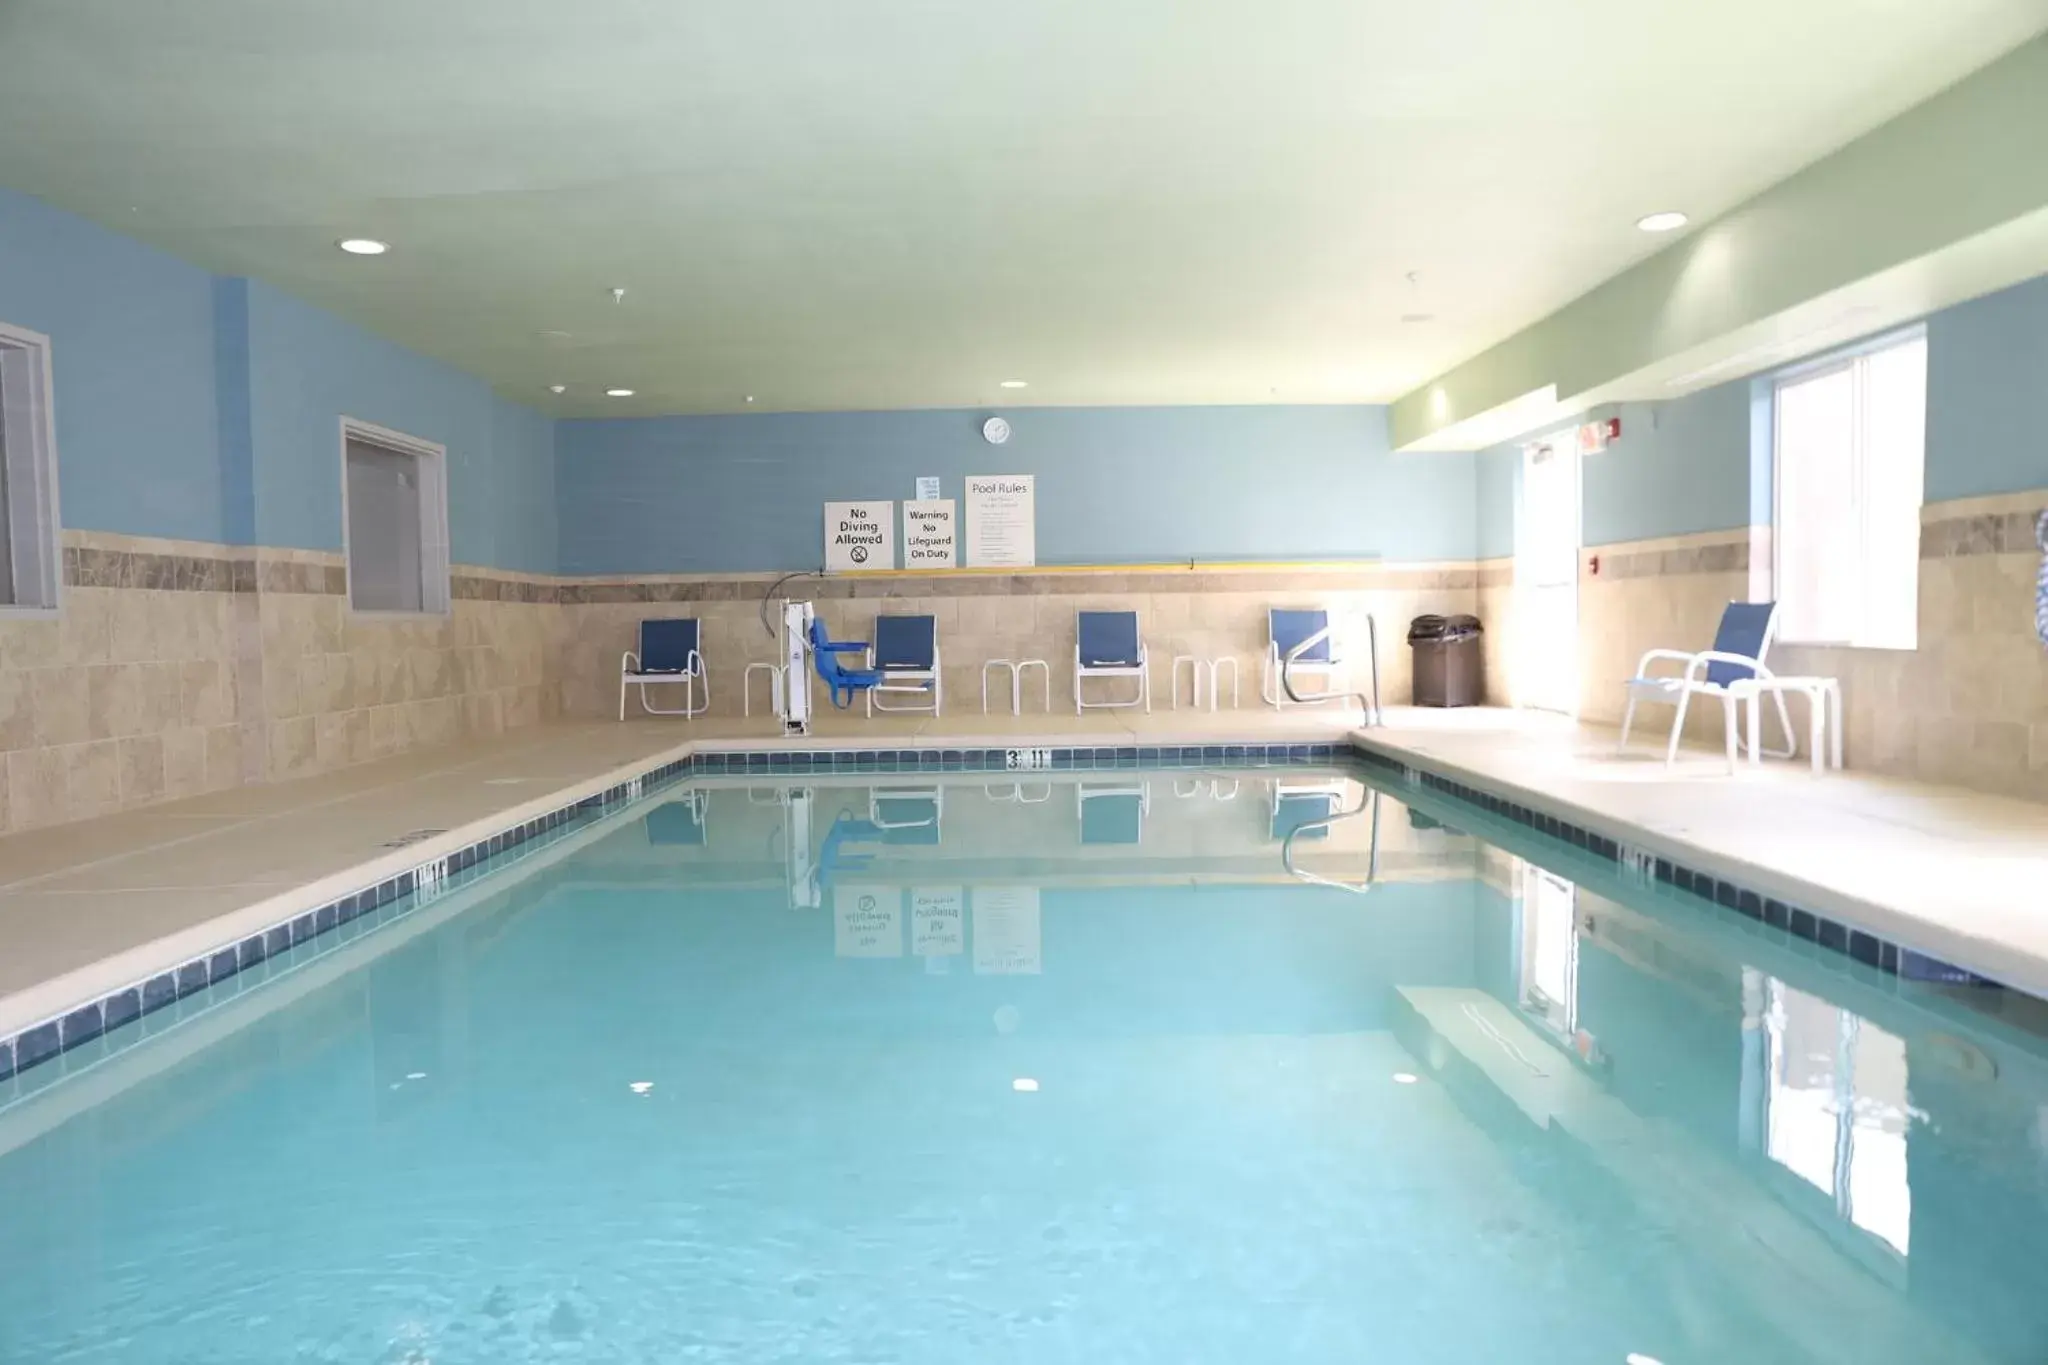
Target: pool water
[(1103, 1068)]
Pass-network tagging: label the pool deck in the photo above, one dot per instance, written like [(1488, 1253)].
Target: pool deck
[(90, 907)]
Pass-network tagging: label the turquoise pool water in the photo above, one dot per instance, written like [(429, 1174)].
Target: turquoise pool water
[(1060, 1071)]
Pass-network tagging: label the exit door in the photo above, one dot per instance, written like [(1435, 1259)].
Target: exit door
[(1547, 578)]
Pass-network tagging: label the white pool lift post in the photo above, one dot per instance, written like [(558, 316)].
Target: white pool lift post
[(1368, 703), (796, 666)]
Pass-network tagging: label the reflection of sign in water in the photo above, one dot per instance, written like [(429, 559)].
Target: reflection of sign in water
[(860, 535), (1006, 936), (928, 534), (936, 925), (867, 921), (1002, 520)]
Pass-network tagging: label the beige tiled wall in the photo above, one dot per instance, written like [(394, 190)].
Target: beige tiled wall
[(342, 688), (176, 668), (1214, 615), (1969, 706), (125, 698)]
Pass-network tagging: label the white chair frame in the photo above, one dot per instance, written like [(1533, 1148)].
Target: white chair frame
[(690, 679)]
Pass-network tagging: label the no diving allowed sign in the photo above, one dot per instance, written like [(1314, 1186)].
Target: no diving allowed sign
[(860, 535)]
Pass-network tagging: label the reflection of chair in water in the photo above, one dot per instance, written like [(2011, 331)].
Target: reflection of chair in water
[(1112, 813), (680, 822), (907, 815), (1020, 793), (1299, 804)]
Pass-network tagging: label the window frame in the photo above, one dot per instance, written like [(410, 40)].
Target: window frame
[(26, 352), (436, 572), (1846, 359)]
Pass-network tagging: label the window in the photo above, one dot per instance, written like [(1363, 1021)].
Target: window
[(29, 558), (395, 522), (1549, 965), (1835, 1107), (1850, 455)]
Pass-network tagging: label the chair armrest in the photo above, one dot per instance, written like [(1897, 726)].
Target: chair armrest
[(842, 646), (695, 661), (630, 663), (1678, 655)]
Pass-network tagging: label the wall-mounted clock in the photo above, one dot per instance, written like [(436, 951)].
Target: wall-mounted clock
[(995, 431)]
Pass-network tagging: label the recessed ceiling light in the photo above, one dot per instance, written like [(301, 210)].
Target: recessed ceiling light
[(1404, 1078), (558, 388), (1418, 317), (618, 393), (640, 1087), (1016, 384), (1024, 1085), (1638, 1358), (750, 398), (363, 246), (1668, 221)]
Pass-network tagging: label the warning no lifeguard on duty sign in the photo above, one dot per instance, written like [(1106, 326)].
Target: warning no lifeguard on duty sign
[(860, 535)]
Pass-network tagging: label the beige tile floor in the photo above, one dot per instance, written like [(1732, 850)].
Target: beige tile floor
[(88, 908), (1958, 874)]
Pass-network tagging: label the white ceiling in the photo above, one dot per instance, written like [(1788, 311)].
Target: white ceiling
[(900, 202)]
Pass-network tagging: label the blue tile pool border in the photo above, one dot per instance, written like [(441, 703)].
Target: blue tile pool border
[(1825, 933), (95, 1024)]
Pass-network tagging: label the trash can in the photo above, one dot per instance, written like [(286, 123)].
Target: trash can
[(1449, 668)]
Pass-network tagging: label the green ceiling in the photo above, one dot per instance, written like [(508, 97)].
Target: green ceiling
[(901, 203)]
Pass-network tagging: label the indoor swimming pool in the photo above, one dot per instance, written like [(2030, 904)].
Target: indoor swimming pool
[(1119, 1065)]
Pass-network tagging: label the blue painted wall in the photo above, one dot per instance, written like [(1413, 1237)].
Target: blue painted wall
[(132, 353), (1497, 483), (309, 369), (1987, 367), (739, 494), (1702, 462)]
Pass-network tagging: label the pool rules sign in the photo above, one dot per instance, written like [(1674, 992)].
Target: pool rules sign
[(859, 535)]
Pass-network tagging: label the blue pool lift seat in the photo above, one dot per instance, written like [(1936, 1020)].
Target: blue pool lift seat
[(1286, 629), (1107, 645), (843, 682), (906, 654), (668, 654), (1737, 657)]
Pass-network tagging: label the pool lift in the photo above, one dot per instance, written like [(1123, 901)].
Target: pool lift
[(808, 649)]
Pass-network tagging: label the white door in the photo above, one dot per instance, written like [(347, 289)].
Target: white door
[(1547, 579)]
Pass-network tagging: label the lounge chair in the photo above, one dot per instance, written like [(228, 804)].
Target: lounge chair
[(1107, 645), (668, 653), (1113, 812), (1286, 630), (906, 654), (1747, 630)]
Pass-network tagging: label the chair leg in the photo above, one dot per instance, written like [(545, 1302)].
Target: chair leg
[(1728, 730), (1677, 728), (1785, 725), (622, 698), (1145, 686), (1628, 719)]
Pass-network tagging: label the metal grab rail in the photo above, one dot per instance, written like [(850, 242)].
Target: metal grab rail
[(1370, 705), (1370, 804)]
